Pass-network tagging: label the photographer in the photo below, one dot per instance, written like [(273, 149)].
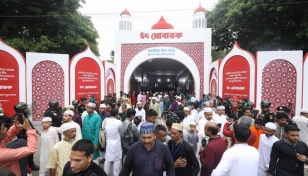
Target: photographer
[(210, 155), (9, 157)]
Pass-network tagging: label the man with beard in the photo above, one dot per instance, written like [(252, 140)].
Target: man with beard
[(140, 111), (68, 118), (289, 155), (208, 114), (302, 123), (148, 157), (102, 112), (265, 146), (281, 121), (185, 161), (90, 129)]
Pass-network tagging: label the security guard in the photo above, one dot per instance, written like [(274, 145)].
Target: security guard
[(55, 113), (82, 107), (240, 108), (266, 114)]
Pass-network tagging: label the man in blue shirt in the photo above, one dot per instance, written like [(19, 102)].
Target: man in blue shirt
[(148, 157)]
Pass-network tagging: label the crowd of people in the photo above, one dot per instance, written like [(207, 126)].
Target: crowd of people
[(162, 133)]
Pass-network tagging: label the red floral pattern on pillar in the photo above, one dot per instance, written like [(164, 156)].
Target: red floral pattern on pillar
[(194, 50), (47, 84), (279, 83)]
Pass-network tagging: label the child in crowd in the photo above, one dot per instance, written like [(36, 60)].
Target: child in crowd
[(193, 136), (49, 137)]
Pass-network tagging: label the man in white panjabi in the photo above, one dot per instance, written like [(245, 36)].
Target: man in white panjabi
[(189, 117), (49, 138), (68, 118), (201, 113), (140, 111), (113, 141), (302, 123), (241, 159), (207, 117), (220, 118), (265, 147)]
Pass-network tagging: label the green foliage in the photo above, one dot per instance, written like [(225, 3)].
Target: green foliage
[(260, 25), (53, 26)]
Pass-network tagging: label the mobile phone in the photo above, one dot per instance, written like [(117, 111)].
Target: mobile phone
[(203, 142), (219, 125), (20, 118)]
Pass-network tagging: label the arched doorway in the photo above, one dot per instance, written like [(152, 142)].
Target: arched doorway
[(176, 55), (162, 74)]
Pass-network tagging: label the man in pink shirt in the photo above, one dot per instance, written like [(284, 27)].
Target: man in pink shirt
[(9, 157)]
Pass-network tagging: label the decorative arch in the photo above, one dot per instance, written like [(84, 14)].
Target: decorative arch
[(279, 89), (185, 59), (47, 84), (305, 82), (190, 54), (110, 80), (13, 84), (237, 55), (213, 86), (87, 54)]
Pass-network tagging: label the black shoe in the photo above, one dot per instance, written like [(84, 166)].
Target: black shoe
[(34, 167)]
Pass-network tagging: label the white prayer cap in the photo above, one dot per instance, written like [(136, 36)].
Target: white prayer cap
[(70, 107), (192, 123), (92, 105), (220, 108), (208, 109), (177, 126), (46, 119), (150, 98), (153, 98), (147, 91), (69, 112), (179, 103), (304, 110), (166, 95), (186, 109), (67, 126), (102, 106), (270, 125), (139, 102)]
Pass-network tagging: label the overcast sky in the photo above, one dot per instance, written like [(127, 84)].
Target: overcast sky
[(105, 15)]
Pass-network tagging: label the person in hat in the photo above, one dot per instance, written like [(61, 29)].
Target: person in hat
[(193, 136), (9, 156), (283, 109), (76, 117), (207, 117), (185, 161), (189, 117), (102, 112), (210, 155), (90, 128), (82, 107), (148, 156), (241, 159), (140, 111), (49, 138), (60, 153), (265, 146), (266, 114), (302, 123), (68, 118), (220, 119), (289, 155)]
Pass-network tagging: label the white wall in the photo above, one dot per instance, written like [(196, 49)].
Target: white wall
[(305, 83)]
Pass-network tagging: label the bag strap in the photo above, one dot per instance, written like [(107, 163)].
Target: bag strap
[(104, 123)]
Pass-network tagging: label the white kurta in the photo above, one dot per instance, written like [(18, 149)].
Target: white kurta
[(200, 128), (156, 108), (48, 139), (113, 140), (140, 113), (139, 98), (239, 160), (265, 148), (222, 119), (302, 123), (186, 122)]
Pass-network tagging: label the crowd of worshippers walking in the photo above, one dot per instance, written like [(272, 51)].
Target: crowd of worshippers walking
[(160, 134)]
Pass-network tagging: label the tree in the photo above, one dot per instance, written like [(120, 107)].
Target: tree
[(260, 24), (53, 26)]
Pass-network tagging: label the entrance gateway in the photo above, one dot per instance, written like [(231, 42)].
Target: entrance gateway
[(190, 47)]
